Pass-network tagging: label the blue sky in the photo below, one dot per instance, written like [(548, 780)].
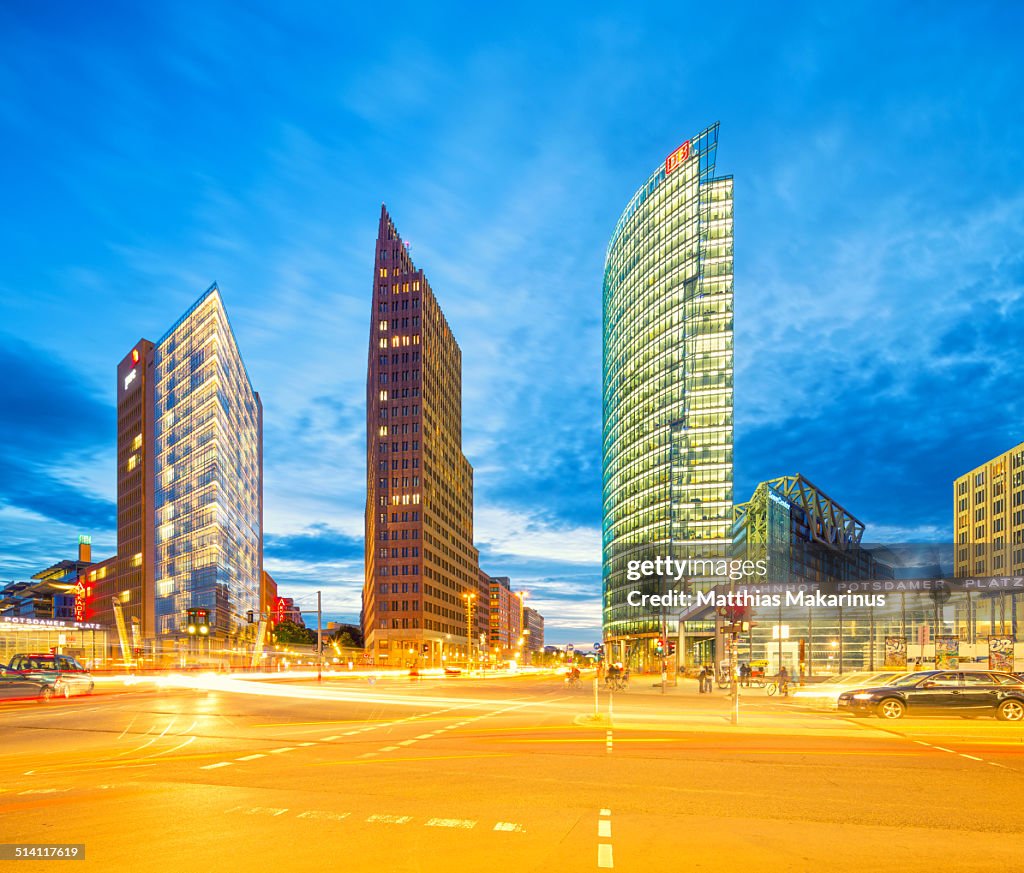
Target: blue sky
[(150, 149)]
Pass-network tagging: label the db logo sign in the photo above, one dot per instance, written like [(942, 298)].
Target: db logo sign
[(677, 157)]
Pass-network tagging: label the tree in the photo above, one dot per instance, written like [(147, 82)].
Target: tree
[(290, 632), (349, 636)]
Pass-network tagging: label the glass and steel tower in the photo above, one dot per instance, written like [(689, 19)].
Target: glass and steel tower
[(208, 474), (668, 375)]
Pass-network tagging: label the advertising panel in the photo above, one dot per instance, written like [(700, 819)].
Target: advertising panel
[(895, 652), (947, 653), (1000, 653)]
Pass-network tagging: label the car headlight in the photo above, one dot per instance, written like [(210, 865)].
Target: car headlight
[(863, 696)]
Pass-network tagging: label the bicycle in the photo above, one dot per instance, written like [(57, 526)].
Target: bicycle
[(618, 683), (574, 682), (777, 688)]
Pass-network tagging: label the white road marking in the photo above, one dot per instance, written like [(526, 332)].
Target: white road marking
[(465, 823), (962, 755), (317, 815), (44, 791), (332, 739), (604, 828), (215, 766), (943, 749), (368, 755), (388, 749), (406, 742), (606, 812), (285, 749), (307, 744), (424, 736), (259, 810), (512, 827), (389, 819), (604, 855), (920, 743), (994, 764), (250, 757)]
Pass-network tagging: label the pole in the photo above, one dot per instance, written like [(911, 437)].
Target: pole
[(319, 641), (469, 633), (664, 635), (733, 657), (596, 707)]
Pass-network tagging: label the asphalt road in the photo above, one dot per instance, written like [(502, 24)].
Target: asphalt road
[(495, 775)]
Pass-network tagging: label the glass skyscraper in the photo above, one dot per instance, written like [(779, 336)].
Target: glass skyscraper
[(668, 375), (208, 474)]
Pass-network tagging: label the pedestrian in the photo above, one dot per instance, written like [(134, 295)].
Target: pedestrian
[(701, 676)]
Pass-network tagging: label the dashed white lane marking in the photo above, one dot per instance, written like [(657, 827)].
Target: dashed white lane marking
[(368, 755), (944, 749), (604, 831), (215, 766), (509, 826), (994, 764), (964, 755), (608, 742), (921, 743), (332, 739), (406, 742), (424, 736), (317, 815), (307, 744), (251, 757), (389, 819), (463, 823), (259, 810), (44, 791), (389, 749), (285, 749)]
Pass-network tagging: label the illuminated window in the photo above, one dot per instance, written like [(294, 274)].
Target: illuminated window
[(133, 462), (137, 559), (137, 442), (125, 596)]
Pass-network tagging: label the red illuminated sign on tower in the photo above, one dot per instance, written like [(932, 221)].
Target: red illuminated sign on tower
[(677, 157), (79, 592), (135, 356)]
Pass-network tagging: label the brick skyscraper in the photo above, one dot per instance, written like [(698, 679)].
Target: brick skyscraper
[(421, 565)]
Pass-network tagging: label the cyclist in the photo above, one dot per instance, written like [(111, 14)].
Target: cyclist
[(611, 678), (784, 682), (574, 677)]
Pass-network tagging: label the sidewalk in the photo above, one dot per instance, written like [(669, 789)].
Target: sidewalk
[(683, 708)]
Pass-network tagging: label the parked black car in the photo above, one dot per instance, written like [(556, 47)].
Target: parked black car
[(15, 686), (941, 692), (62, 672)]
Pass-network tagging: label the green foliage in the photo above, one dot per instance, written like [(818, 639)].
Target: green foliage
[(291, 633)]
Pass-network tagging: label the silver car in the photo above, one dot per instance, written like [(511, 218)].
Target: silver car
[(61, 672)]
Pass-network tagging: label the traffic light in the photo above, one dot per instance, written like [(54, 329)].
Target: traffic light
[(190, 621), (660, 647), (249, 615), (671, 648)]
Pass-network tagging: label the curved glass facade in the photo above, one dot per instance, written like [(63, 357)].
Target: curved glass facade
[(668, 374)]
